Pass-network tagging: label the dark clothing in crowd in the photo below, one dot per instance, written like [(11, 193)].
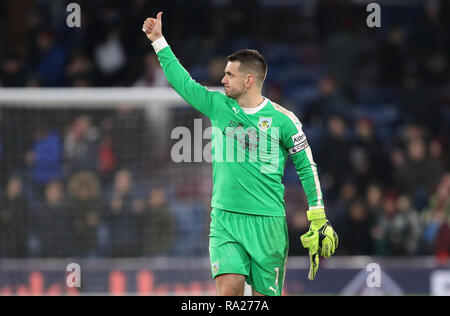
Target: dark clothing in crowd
[(14, 227)]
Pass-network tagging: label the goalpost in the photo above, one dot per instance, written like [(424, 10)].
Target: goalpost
[(88, 97)]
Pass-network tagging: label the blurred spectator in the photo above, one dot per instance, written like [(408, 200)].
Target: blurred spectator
[(428, 32), (331, 100), (190, 216), (52, 223), (156, 225), (106, 158), (410, 132), (274, 93), (45, 157), (374, 199), (328, 16), (392, 57), (342, 51), (14, 141), (435, 221), (430, 41), (110, 57), (50, 59), (14, 220), (360, 167), (397, 166), (153, 75), (84, 205), (333, 158), (80, 68), (443, 242), (216, 68), (407, 235), (12, 73), (81, 145), (355, 237), (347, 194), (438, 154), (419, 105), (417, 176), (397, 229), (129, 121), (367, 154), (123, 222)]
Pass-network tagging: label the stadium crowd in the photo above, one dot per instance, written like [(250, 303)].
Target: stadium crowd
[(374, 104)]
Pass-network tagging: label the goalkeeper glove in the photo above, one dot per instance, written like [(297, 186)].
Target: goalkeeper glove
[(320, 240)]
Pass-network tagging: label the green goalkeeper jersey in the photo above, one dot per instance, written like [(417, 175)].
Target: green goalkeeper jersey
[(250, 147)]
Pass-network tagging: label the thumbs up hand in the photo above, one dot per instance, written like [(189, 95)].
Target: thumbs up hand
[(153, 27)]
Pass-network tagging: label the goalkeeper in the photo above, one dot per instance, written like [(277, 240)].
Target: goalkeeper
[(248, 230)]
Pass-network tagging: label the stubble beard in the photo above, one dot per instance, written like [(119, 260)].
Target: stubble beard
[(235, 94)]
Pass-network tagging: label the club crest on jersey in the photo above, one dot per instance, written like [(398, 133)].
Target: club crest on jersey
[(215, 267), (264, 123)]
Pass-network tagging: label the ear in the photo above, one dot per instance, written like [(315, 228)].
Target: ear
[(250, 81)]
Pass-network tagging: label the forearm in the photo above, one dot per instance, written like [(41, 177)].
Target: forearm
[(307, 171)]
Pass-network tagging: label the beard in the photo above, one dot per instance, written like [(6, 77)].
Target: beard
[(235, 94)]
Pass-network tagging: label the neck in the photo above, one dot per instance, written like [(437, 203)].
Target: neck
[(250, 100)]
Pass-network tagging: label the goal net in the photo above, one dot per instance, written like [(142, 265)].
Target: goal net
[(97, 173), (102, 173)]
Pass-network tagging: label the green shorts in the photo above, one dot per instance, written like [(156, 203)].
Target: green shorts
[(252, 245)]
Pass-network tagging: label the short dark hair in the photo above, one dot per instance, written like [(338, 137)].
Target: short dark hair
[(252, 61)]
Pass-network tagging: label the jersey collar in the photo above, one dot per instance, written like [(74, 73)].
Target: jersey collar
[(256, 109)]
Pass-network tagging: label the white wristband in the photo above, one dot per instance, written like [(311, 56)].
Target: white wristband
[(159, 44)]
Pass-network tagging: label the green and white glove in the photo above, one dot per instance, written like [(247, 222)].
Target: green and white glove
[(320, 240)]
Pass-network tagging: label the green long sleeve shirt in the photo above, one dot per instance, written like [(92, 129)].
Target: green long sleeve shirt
[(250, 147)]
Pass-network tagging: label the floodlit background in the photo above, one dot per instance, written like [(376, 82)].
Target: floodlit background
[(86, 175)]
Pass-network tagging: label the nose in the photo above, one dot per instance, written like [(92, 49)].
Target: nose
[(224, 81)]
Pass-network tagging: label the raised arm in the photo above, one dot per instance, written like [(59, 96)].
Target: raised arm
[(192, 92)]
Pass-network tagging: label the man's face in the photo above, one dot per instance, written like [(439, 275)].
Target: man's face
[(234, 80)]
